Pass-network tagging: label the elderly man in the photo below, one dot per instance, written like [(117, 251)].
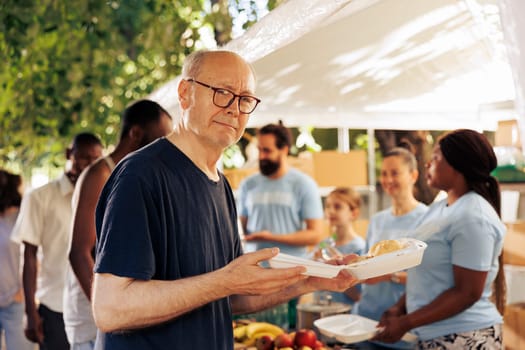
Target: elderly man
[(170, 267)]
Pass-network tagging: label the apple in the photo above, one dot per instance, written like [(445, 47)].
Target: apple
[(264, 342), (305, 337), (292, 335), (319, 345), (283, 340), (304, 347)]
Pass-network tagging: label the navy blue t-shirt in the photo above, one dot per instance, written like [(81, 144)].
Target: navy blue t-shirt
[(160, 217)]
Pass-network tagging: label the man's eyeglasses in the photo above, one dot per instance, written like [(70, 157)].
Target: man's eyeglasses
[(224, 98)]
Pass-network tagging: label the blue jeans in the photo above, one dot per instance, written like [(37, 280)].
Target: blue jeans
[(12, 325)]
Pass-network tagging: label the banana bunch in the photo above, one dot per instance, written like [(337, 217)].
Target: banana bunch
[(248, 333)]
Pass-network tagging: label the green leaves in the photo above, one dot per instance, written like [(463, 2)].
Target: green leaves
[(71, 66)]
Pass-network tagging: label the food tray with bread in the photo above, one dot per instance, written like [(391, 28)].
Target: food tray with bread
[(384, 257)]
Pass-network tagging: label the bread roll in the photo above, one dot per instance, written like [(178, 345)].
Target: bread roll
[(385, 246)]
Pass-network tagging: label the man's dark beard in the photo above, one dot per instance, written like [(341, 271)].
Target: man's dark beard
[(267, 167)]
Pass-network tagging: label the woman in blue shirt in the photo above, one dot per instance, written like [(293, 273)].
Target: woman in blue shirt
[(398, 176), (449, 300)]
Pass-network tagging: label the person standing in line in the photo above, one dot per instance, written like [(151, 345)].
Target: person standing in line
[(455, 298), (44, 222), (11, 293), (398, 176), (169, 263), (281, 206), (142, 122)]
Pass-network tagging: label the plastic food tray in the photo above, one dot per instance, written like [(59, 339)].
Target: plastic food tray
[(398, 260), (351, 328)]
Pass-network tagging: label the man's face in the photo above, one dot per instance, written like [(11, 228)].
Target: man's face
[(155, 130), (81, 157), (270, 157), (218, 127)]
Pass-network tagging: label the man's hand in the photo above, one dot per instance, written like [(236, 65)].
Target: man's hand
[(34, 330), (245, 276), (341, 282), (259, 236)]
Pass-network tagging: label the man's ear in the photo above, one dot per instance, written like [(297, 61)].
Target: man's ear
[(184, 93), (136, 133), (286, 151), (69, 152)]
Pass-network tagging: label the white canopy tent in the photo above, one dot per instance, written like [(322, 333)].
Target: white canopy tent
[(381, 64)]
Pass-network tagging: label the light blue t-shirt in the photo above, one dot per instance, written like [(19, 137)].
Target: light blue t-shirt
[(469, 234), (279, 206), (376, 298)]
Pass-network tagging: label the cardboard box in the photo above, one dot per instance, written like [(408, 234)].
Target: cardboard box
[(361, 226), (514, 243), (235, 176), (332, 168), (514, 327), (508, 133), (303, 162)]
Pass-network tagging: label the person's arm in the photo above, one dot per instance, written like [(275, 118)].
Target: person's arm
[(34, 331), (84, 231), (243, 304), (311, 235), (353, 293), (250, 286), (244, 223), (467, 289), (121, 303), (396, 277)]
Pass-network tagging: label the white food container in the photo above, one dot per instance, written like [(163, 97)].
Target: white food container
[(313, 268), (398, 260), (351, 328)]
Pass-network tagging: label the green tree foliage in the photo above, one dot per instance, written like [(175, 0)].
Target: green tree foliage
[(71, 66)]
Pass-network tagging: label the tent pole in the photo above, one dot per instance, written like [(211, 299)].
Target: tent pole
[(372, 199), (343, 140)]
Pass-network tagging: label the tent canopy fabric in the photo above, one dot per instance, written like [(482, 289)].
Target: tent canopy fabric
[(382, 64)]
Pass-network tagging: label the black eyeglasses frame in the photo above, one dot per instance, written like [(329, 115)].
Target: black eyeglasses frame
[(215, 89)]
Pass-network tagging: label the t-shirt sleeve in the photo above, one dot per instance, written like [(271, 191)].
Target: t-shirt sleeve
[(473, 245), (241, 200), (30, 221), (311, 205), (125, 243)]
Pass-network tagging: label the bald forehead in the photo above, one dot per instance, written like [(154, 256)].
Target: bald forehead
[(222, 58), (215, 61)]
